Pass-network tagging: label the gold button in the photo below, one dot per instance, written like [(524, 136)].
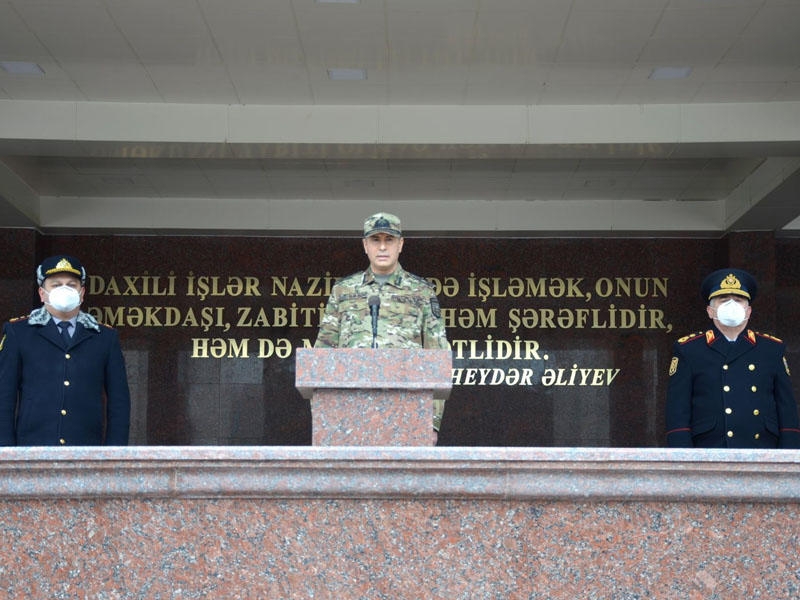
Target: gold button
[(728, 411), (756, 413), (63, 412), (724, 367), (66, 383), (751, 367), (753, 389), (726, 388), (730, 434), (62, 441), (67, 356), (757, 436)]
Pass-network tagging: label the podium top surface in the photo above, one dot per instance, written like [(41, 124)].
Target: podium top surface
[(373, 368)]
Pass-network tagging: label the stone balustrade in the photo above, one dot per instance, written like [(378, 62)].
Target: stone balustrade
[(399, 522)]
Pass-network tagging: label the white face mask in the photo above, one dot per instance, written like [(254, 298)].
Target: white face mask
[(64, 298), (730, 313)]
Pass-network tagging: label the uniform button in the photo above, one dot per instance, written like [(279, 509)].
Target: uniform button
[(730, 434), (726, 388), (751, 367), (66, 383), (757, 436), (756, 413), (724, 367), (63, 412), (67, 356), (62, 441), (728, 411), (753, 389)]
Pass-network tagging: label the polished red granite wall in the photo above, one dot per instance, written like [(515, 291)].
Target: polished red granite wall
[(350, 522), (423, 548), (557, 342)]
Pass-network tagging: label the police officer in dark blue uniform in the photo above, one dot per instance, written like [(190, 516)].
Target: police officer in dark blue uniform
[(62, 374), (729, 386)]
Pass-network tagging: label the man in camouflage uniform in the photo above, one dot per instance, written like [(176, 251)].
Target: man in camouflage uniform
[(410, 316)]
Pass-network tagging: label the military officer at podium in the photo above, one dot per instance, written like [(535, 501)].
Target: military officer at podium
[(62, 374), (384, 306), (729, 386)]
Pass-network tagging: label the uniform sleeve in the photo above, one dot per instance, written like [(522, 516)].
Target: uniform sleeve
[(328, 335), (434, 336), (679, 401), (118, 395), (787, 407), (433, 332), (9, 383)]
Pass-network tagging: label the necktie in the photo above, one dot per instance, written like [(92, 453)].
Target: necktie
[(64, 327)]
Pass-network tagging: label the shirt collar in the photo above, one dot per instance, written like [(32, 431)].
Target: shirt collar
[(395, 278)]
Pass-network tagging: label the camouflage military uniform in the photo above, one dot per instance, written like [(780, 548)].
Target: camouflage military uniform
[(410, 316)]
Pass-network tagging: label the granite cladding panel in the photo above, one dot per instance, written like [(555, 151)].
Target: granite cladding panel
[(349, 522), (356, 548), (372, 418), (256, 338)]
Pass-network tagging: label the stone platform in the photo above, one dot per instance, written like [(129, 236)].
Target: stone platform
[(394, 522)]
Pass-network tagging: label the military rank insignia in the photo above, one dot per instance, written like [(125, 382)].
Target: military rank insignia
[(673, 366), (435, 309), (770, 337), (690, 337)]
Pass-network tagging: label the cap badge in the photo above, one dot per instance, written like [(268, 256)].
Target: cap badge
[(731, 282), (64, 264)]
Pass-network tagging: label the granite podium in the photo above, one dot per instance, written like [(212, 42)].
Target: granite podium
[(373, 396)]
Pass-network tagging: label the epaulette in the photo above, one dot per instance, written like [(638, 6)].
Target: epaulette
[(769, 337), (15, 319), (419, 278), (105, 325), (345, 278), (691, 337)]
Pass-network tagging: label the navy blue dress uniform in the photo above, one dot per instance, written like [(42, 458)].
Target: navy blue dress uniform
[(725, 394), (57, 391)]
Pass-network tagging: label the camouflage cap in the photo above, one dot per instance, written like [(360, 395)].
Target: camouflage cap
[(383, 223), (61, 263)]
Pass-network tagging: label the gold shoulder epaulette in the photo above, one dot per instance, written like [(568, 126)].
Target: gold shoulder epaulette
[(690, 337), (769, 337), (15, 319)]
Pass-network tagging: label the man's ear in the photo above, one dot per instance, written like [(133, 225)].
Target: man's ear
[(710, 311)]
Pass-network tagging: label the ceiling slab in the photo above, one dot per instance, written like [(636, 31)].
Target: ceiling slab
[(537, 116)]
